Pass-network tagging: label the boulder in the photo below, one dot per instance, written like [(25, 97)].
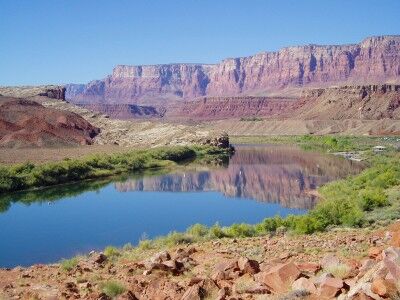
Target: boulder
[(280, 278), (98, 258), (248, 266), (192, 293), (220, 275), (304, 284), (329, 260), (383, 288), (309, 268), (330, 287), (393, 269), (374, 252), (127, 296), (160, 257)]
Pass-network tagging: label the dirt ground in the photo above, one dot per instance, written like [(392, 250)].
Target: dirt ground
[(42, 155)]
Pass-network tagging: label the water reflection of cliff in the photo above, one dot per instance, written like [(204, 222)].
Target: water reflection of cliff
[(284, 175)]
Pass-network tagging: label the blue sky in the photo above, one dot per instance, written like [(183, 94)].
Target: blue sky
[(55, 41)]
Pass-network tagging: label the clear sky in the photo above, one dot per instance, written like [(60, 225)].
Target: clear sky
[(63, 41)]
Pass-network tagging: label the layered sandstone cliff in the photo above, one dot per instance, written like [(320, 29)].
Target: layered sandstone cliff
[(125, 111), (49, 91), (374, 60), (368, 102)]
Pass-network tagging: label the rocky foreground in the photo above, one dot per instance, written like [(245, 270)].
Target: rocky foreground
[(342, 264)]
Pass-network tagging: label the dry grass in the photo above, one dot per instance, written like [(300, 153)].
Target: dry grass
[(339, 271)]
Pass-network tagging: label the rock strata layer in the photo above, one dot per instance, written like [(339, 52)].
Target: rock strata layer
[(374, 60)]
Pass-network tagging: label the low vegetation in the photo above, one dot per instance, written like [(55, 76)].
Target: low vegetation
[(250, 119), (69, 264), (356, 201), (326, 143), (28, 175), (112, 288)]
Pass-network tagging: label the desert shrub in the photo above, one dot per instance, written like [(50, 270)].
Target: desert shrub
[(27, 175), (216, 231), (306, 225), (145, 244), (69, 264), (134, 163), (337, 212), (112, 288), (371, 198), (250, 119), (9, 180), (111, 251), (269, 225), (176, 238), (173, 153), (24, 168), (240, 230), (198, 230), (339, 271)]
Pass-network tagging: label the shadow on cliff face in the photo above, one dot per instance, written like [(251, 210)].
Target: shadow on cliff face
[(275, 174)]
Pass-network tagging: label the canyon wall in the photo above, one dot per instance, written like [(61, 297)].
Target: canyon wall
[(368, 102), (374, 60)]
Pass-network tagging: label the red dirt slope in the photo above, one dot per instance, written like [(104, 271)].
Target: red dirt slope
[(25, 123)]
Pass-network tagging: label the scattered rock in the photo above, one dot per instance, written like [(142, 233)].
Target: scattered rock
[(248, 266), (192, 293), (330, 287), (127, 296), (309, 268), (374, 252), (280, 278), (99, 258), (383, 288), (329, 260), (304, 284), (160, 257)]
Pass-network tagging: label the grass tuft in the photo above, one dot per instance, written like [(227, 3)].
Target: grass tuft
[(112, 288), (69, 264)]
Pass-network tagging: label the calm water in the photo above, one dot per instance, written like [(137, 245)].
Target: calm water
[(260, 181)]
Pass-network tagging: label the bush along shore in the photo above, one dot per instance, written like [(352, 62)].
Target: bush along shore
[(27, 176), (347, 247)]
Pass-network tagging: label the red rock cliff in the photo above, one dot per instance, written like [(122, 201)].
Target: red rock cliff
[(374, 60)]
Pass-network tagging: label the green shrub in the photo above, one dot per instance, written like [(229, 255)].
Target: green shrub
[(198, 230), (144, 244), (307, 224), (10, 181), (216, 231), (371, 198), (111, 251), (240, 230), (28, 175), (69, 264), (177, 238), (269, 225), (113, 288)]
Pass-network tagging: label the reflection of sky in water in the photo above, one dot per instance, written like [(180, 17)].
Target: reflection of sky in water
[(156, 205)]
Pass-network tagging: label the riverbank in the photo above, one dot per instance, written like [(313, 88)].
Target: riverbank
[(344, 263), (28, 175), (347, 245)]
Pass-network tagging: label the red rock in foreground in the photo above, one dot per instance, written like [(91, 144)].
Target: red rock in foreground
[(218, 270)]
